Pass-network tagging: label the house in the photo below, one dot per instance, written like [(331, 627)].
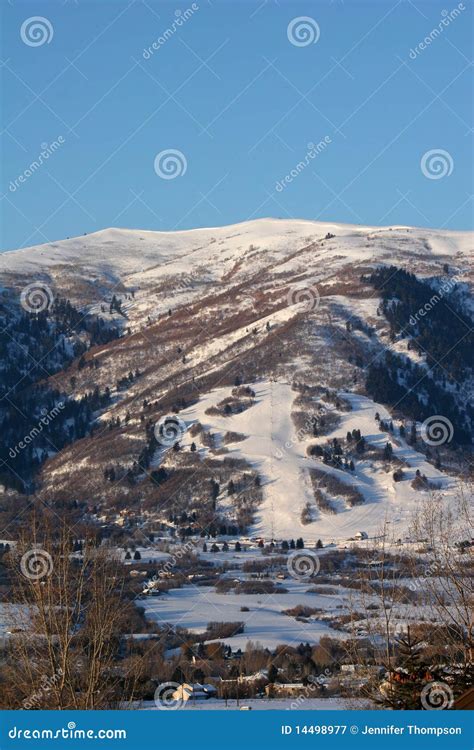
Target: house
[(194, 691), (286, 690), (249, 678), (360, 535)]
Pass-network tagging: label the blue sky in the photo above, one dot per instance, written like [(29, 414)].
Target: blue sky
[(230, 90)]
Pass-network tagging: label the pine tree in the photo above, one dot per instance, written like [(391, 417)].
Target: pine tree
[(388, 452), (405, 683), (272, 673)]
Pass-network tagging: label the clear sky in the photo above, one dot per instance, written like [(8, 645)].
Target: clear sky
[(239, 89)]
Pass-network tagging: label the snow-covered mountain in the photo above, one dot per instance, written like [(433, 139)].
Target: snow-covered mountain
[(286, 249), (269, 341)]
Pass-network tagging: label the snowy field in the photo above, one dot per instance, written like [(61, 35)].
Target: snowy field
[(193, 607), (273, 704)]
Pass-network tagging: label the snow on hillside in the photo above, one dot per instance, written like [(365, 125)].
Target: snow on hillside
[(272, 447), (138, 257), (225, 273)]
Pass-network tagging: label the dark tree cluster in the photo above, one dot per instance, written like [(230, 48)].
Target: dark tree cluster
[(395, 380), (430, 316), (37, 421)]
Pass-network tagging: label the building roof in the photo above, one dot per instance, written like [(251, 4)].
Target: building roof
[(465, 701), (196, 688)]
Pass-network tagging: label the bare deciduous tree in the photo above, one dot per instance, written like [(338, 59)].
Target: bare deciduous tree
[(69, 614)]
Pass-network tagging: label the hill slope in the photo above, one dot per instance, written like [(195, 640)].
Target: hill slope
[(272, 338)]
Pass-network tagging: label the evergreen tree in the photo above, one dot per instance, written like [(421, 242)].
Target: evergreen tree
[(403, 688), (272, 673), (388, 452)]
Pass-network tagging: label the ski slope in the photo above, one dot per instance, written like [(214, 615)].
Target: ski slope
[(273, 449)]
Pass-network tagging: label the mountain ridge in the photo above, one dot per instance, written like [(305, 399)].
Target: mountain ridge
[(182, 323)]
